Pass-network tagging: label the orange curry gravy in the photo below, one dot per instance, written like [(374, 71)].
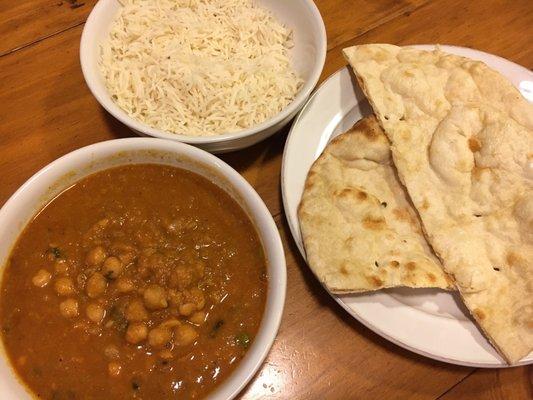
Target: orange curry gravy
[(142, 282)]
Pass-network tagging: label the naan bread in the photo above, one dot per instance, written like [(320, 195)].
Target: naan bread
[(359, 230), (462, 142)]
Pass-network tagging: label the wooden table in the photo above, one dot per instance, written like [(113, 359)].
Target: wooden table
[(46, 111)]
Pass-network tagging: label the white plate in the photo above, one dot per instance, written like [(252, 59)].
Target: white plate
[(430, 322)]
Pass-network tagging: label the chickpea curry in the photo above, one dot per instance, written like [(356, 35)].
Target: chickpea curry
[(138, 282)]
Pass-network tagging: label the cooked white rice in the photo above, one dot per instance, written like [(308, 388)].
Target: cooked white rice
[(198, 67)]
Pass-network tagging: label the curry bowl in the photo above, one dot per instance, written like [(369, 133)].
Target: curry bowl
[(307, 57), (25, 207)]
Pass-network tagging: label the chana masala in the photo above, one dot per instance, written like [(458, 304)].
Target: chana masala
[(141, 281)]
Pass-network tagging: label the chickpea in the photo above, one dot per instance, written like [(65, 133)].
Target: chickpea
[(112, 351), (170, 323), (187, 309), (135, 311), (197, 297), (64, 286), (96, 256), (136, 333), (159, 337), (126, 253), (41, 278), (69, 308), (112, 267), (96, 285), (155, 297), (198, 318), (95, 312), (166, 354), (184, 335), (61, 267), (125, 285), (94, 330), (114, 368)]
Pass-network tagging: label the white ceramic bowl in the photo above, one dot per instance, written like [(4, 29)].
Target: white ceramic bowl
[(308, 57), (60, 174)]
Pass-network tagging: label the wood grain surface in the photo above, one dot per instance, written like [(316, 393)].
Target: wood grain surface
[(23, 22), (321, 352)]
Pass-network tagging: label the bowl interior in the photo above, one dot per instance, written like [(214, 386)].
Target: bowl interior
[(62, 173), (307, 56)]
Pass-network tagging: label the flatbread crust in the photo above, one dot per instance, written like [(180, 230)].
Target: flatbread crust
[(359, 230), (462, 142)]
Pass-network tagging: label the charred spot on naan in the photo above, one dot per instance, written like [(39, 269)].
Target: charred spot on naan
[(343, 270), (374, 223), (345, 192), (449, 280), (312, 175), (411, 265), (403, 214), (431, 277), (425, 204), (357, 194), (477, 172), (409, 277), (362, 195), (474, 144), (370, 128), (512, 258), (374, 281), (350, 192), (394, 264), (479, 314)]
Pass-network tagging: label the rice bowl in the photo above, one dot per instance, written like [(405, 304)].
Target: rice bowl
[(307, 58)]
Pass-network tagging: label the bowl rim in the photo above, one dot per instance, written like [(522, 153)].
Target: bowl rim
[(87, 39), (249, 200)]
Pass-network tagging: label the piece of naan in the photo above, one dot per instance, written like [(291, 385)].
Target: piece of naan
[(359, 230), (462, 141)]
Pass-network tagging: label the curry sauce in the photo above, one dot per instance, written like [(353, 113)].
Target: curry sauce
[(141, 281)]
